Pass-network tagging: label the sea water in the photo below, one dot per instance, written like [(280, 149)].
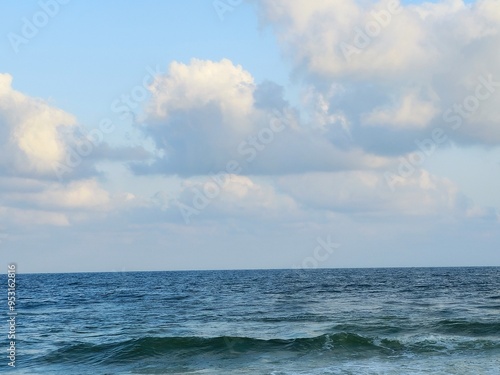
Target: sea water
[(324, 321)]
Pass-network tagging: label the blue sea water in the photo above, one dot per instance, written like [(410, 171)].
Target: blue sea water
[(335, 321)]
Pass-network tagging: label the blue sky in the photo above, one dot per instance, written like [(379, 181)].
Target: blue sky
[(313, 125)]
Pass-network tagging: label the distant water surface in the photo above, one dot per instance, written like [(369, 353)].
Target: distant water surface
[(339, 321)]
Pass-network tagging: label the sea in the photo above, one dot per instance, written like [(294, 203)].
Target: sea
[(276, 322)]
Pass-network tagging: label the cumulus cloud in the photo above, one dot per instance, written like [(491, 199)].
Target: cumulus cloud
[(366, 193), (44, 202), (396, 70), (39, 140), (201, 83), (314, 33), (205, 114), (30, 137), (36, 138), (311, 198)]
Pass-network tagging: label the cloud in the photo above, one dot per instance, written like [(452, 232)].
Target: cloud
[(120, 153), (30, 139), (28, 217), (310, 198), (36, 138), (199, 84), (393, 71), (39, 140), (83, 194), (367, 193), (240, 197), (313, 34), (411, 112), (45, 202), (206, 114)]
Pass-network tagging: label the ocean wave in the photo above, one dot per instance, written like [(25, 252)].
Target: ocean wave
[(338, 345)]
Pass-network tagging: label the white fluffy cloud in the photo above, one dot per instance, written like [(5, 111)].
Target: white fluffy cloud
[(29, 132), (398, 70), (205, 114), (31, 142), (36, 138), (32, 201), (408, 39), (201, 84), (41, 141)]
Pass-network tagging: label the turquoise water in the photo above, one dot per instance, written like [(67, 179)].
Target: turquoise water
[(349, 321)]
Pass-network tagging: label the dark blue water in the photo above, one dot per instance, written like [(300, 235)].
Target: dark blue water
[(363, 321)]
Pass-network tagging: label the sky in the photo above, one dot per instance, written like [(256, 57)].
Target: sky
[(252, 134)]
